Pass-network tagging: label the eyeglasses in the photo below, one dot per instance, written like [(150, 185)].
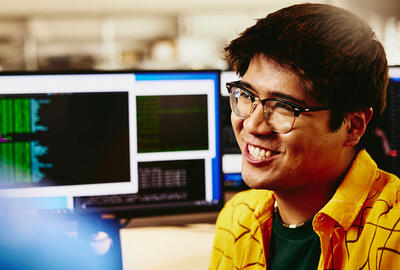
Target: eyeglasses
[(278, 113)]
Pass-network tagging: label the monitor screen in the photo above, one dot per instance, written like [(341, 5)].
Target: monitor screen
[(136, 143), (385, 149), (230, 152)]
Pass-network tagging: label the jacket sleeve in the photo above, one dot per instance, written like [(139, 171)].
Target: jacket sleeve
[(238, 239)]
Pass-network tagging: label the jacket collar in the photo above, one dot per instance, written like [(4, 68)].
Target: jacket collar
[(351, 194)]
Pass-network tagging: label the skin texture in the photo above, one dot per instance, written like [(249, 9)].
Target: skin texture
[(310, 161)]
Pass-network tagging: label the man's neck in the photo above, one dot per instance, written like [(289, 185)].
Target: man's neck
[(299, 206)]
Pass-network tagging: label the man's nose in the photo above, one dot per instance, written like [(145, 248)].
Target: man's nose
[(255, 123)]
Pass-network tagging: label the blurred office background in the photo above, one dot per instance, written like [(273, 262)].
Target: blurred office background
[(153, 34), (149, 34)]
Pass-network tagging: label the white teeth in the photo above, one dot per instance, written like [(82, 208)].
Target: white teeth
[(255, 152)]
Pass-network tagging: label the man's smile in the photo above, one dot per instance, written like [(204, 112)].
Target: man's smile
[(259, 153)]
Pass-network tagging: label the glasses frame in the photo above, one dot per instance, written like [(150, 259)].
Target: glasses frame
[(297, 109)]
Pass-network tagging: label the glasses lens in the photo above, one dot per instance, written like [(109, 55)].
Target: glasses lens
[(279, 116), (240, 102)]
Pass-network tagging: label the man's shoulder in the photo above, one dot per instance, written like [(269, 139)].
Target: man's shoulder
[(383, 186), (377, 225), (246, 204), (387, 189), (382, 206)]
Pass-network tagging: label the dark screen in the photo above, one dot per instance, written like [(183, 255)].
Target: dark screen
[(385, 147), (172, 123), (64, 139)]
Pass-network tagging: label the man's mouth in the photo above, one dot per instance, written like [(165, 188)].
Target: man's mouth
[(259, 153)]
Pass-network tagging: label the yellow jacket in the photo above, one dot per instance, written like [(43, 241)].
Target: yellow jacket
[(359, 228)]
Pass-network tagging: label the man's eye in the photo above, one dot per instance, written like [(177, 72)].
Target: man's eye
[(243, 95), (283, 106)]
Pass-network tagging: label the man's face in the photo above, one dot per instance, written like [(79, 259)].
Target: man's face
[(309, 154)]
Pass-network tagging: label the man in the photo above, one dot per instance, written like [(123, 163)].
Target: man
[(313, 81)]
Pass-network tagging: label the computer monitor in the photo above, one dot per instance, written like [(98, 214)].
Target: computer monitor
[(129, 143), (230, 152), (385, 148)]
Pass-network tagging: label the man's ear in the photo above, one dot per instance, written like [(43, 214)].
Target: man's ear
[(356, 124)]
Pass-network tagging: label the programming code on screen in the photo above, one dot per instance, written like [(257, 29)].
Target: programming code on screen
[(159, 182), (181, 176), (57, 139), (162, 123), (132, 143)]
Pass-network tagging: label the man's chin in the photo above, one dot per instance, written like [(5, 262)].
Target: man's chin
[(261, 181), (256, 183)]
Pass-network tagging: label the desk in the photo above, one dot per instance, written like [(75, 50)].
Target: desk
[(168, 246)]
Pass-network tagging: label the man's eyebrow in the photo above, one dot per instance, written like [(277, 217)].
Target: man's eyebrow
[(288, 97), (275, 94), (246, 84)]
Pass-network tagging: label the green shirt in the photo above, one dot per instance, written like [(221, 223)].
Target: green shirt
[(297, 248)]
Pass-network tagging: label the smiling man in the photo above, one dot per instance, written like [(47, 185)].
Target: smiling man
[(313, 81)]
